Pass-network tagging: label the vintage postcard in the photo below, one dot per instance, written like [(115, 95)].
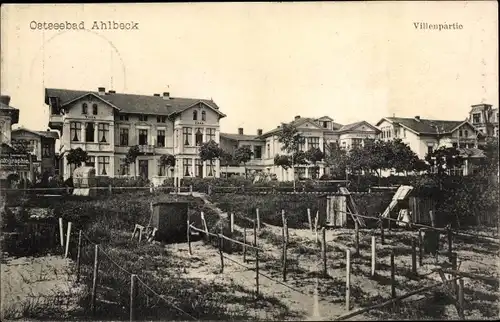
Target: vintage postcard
[(252, 161)]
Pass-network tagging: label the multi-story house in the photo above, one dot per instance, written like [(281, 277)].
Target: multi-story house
[(229, 142), (107, 124), (424, 136), (318, 133), (41, 144), (484, 118), (8, 117)]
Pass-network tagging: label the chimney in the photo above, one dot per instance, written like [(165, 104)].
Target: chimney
[(5, 99), (112, 92), (297, 117), (101, 90), (259, 132), (417, 118), (166, 95), (240, 131), (156, 95)]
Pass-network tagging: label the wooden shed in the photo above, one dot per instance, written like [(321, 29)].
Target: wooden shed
[(170, 220), (332, 210)]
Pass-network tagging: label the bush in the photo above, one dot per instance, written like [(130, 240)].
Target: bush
[(103, 181)]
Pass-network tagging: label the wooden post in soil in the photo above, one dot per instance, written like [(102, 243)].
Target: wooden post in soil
[(254, 233), (132, 296), (110, 188), (257, 272), (68, 235), (284, 260), (461, 301), (356, 226), (188, 235), (61, 232), (323, 250), (450, 243), (94, 280), (420, 248), (78, 256), (285, 224), (413, 257), (257, 217), (382, 236), (393, 276), (348, 280), (454, 268), (221, 246), (232, 222), (374, 260), (244, 244), (309, 219)]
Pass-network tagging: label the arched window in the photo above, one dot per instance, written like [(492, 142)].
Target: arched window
[(84, 108), (195, 115), (94, 109), (198, 137), (203, 116)]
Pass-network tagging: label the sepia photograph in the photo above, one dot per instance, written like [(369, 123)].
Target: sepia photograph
[(254, 161)]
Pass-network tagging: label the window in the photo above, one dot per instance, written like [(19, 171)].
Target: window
[(210, 168), (160, 138), (476, 118), (325, 124), (203, 115), (429, 149), (302, 145), (466, 133), (103, 165), (357, 143), (103, 130), (123, 117), (143, 118), (195, 115), (198, 137), (124, 167), (257, 152), (89, 132), (198, 168), (90, 161), (161, 119), (187, 133), (75, 131), (84, 108), (94, 109), (124, 137), (161, 170), (268, 148), (46, 150), (460, 133), (404, 133), (210, 134), (186, 163), (143, 137), (313, 142), (301, 172)]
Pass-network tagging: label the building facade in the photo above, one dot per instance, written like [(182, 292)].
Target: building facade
[(318, 133), (107, 124), (485, 119)]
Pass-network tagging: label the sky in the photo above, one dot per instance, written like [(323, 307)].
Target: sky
[(262, 63)]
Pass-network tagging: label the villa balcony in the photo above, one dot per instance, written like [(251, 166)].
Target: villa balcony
[(56, 122), (147, 149)]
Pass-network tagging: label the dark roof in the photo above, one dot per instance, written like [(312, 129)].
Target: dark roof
[(239, 137), (14, 112), (302, 120), (471, 153), (424, 126), (133, 103), (47, 134)]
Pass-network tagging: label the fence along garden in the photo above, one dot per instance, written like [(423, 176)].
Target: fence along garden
[(454, 291)]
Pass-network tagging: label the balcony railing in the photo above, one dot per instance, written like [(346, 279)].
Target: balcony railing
[(147, 149)]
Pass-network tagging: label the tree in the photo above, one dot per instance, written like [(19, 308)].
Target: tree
[(132, 154), (210, 151), (167, 161), (443, 159), (77, 157), (282, 161), (336, 159), (314, 155), (291, 140), (226, 159), (402, 157), (243, 154)]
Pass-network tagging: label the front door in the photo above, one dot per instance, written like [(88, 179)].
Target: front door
[(143, 168)]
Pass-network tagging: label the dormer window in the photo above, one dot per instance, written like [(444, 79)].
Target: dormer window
[(195, 115), (94, 109), (203, 116), (325, 124), (84, 108), (143, 118)]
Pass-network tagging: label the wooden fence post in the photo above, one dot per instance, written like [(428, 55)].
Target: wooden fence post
[(356, 226), (244, 244), (257, 272), (188, 235), (323, 250), (374, 260), (285, 225), (461, 301), (221, 245), (232, 222), (393, 277), (382, 237), (132, 296), (254, 233), (284, 260), (257, 217), (389, 222), (190, 189), (78, 254), (61, 232), (420, 248), (94, 279), (450, 243), (454, 268), (316, 222), (309, 219), (348, 280), (68, 234), (110, 188), (413, 257)]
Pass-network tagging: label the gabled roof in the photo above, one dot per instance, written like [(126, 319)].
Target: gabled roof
[(239, 137), (301, 121), (14, 112), (425, 126), (352, 126), (134, 103), (471, 153), (46, 134)]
